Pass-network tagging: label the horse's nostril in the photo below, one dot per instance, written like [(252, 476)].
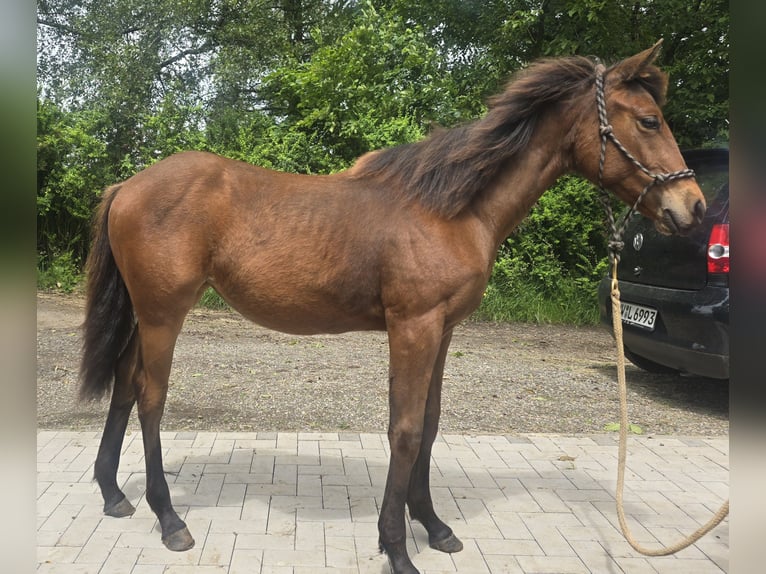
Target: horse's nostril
[(699, 210)]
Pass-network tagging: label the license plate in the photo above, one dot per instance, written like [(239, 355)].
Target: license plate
[(638, 315)]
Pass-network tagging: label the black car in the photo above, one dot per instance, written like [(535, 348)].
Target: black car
[(675, 290)]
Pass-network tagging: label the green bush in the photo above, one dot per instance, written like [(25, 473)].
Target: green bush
[(518, 298), (548, 270), (61, 272), (379, 84), (72, 170)]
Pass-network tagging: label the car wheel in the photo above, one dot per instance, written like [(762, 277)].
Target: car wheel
[(649, 366)]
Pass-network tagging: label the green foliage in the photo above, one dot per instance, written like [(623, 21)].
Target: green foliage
[(696, 56), (377, 85), (632, 428), (488, 40), (72, 169), (519, 299), (212, 300), (173, 128), (549, 269), (562, 237), (74, 166), (61, 273)]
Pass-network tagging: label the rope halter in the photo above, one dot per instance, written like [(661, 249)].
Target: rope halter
[(615, 242)]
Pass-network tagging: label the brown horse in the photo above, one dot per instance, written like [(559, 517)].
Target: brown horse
[(404, 241)]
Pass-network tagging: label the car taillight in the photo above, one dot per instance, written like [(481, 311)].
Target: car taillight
[(718, 249)]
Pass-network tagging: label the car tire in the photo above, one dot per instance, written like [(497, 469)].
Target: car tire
[(648, 365)]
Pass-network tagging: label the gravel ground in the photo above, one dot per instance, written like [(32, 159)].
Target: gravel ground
[(231, 375)]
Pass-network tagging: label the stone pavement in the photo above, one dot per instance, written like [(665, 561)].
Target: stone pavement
[(307, 503)]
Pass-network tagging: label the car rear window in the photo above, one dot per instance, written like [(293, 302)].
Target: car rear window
[(712, 174)]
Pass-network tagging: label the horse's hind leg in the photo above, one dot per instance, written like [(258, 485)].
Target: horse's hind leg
[(440, 536), (108, 459), (156, 344)]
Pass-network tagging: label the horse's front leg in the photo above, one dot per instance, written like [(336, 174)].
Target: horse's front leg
[(440, 536), (414, 346)]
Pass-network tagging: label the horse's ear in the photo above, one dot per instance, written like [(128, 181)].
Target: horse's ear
[(633, 67)]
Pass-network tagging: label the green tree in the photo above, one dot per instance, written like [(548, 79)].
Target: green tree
[(119, 59), (484, 41), (72, 169), (128, 58), (378, 85), (696, 55)]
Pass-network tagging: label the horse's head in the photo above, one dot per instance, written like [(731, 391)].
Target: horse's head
[(627, 145)]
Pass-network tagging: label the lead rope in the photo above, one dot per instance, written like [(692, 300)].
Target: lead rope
[(622, 450), (615, 245)]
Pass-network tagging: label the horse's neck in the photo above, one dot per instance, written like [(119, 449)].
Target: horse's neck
[(516, 189)]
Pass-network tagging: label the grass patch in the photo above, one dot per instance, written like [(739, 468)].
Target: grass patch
[(212, 300), (573, 303)]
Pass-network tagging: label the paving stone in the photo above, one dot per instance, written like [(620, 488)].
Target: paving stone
[(304, 502), (218, 549)]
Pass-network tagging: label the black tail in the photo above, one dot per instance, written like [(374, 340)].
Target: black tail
[(109, 318)]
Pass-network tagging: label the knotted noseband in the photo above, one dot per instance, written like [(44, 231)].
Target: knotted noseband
[(606, 132)]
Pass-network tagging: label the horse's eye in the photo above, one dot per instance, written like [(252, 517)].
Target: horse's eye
[(650, 122)]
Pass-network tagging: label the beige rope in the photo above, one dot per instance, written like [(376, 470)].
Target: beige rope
[(722, 512)]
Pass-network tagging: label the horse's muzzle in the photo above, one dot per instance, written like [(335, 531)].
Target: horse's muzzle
[(673, 222)]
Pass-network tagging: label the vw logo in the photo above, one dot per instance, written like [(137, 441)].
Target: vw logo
[(638, 241)]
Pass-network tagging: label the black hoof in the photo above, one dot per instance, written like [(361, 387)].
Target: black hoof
[(179, 541), (120, 509), (450, 544)]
